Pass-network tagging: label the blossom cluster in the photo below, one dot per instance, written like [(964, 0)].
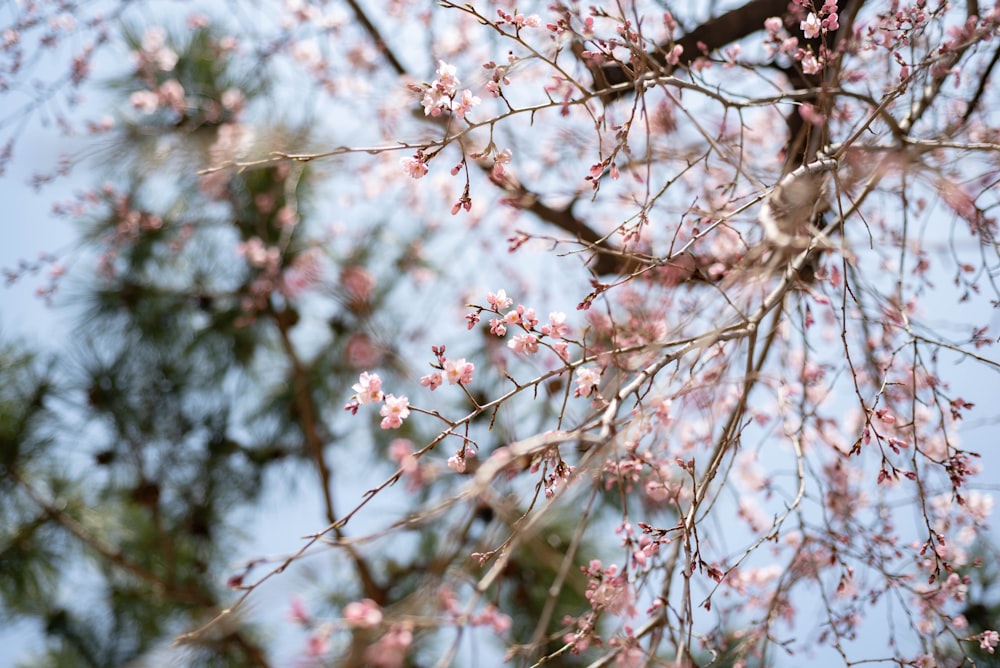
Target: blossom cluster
[(527, 341), (368, 390), (442, 94), (816, 24), (455, 371)]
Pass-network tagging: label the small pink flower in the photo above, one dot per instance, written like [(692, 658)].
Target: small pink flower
[(145, 101), (499, 300), (286, 217), (414, 167), (557, 325), (459, 371), (391, 649), (361, 352), (465, 103), (811, 115), (989, 640), (319, 641), (498, 327), (675, 54), (524, 343), (395, 410), (810, 65), (456, 463), (258, 254), (528, 318), (498, 172), (368, 388), (358, 283), (233, 99), (587, 379), (172, 95), (432, 380), (363, 614), (447, 82), (811, 26), (297, 611)]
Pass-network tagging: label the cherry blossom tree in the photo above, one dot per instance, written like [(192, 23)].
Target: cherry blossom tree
[(626, 333)]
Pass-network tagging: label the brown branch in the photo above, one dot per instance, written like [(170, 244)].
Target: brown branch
[(713, 34), (607, 258), (373, 32)]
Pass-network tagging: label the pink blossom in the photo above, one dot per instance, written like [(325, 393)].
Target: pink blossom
[(498, 327), (145, 101), (989, 640), (656, 490), (319, 641), (459, 371), (432, 380), (500, 622), (663, 411), (587, 379), (395, 410), (810, 65), (390, 650), (810, 114), (675, 54), (979, 505), (172, 95), (361, 352), (297, 611), (456, 463), (610, 591), (557, 325), (465, 103), (811, 26), (414, 167), (499, 300), (524, 343), (357, 283), (195, 21), (363, 614), (368, 388), (498, 172), (154, 38), (434, 101), (155, 51), (304, 272), (439, 94), (446, 81), (773, 25), (286, 217), (258, 255), (233, 99)]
